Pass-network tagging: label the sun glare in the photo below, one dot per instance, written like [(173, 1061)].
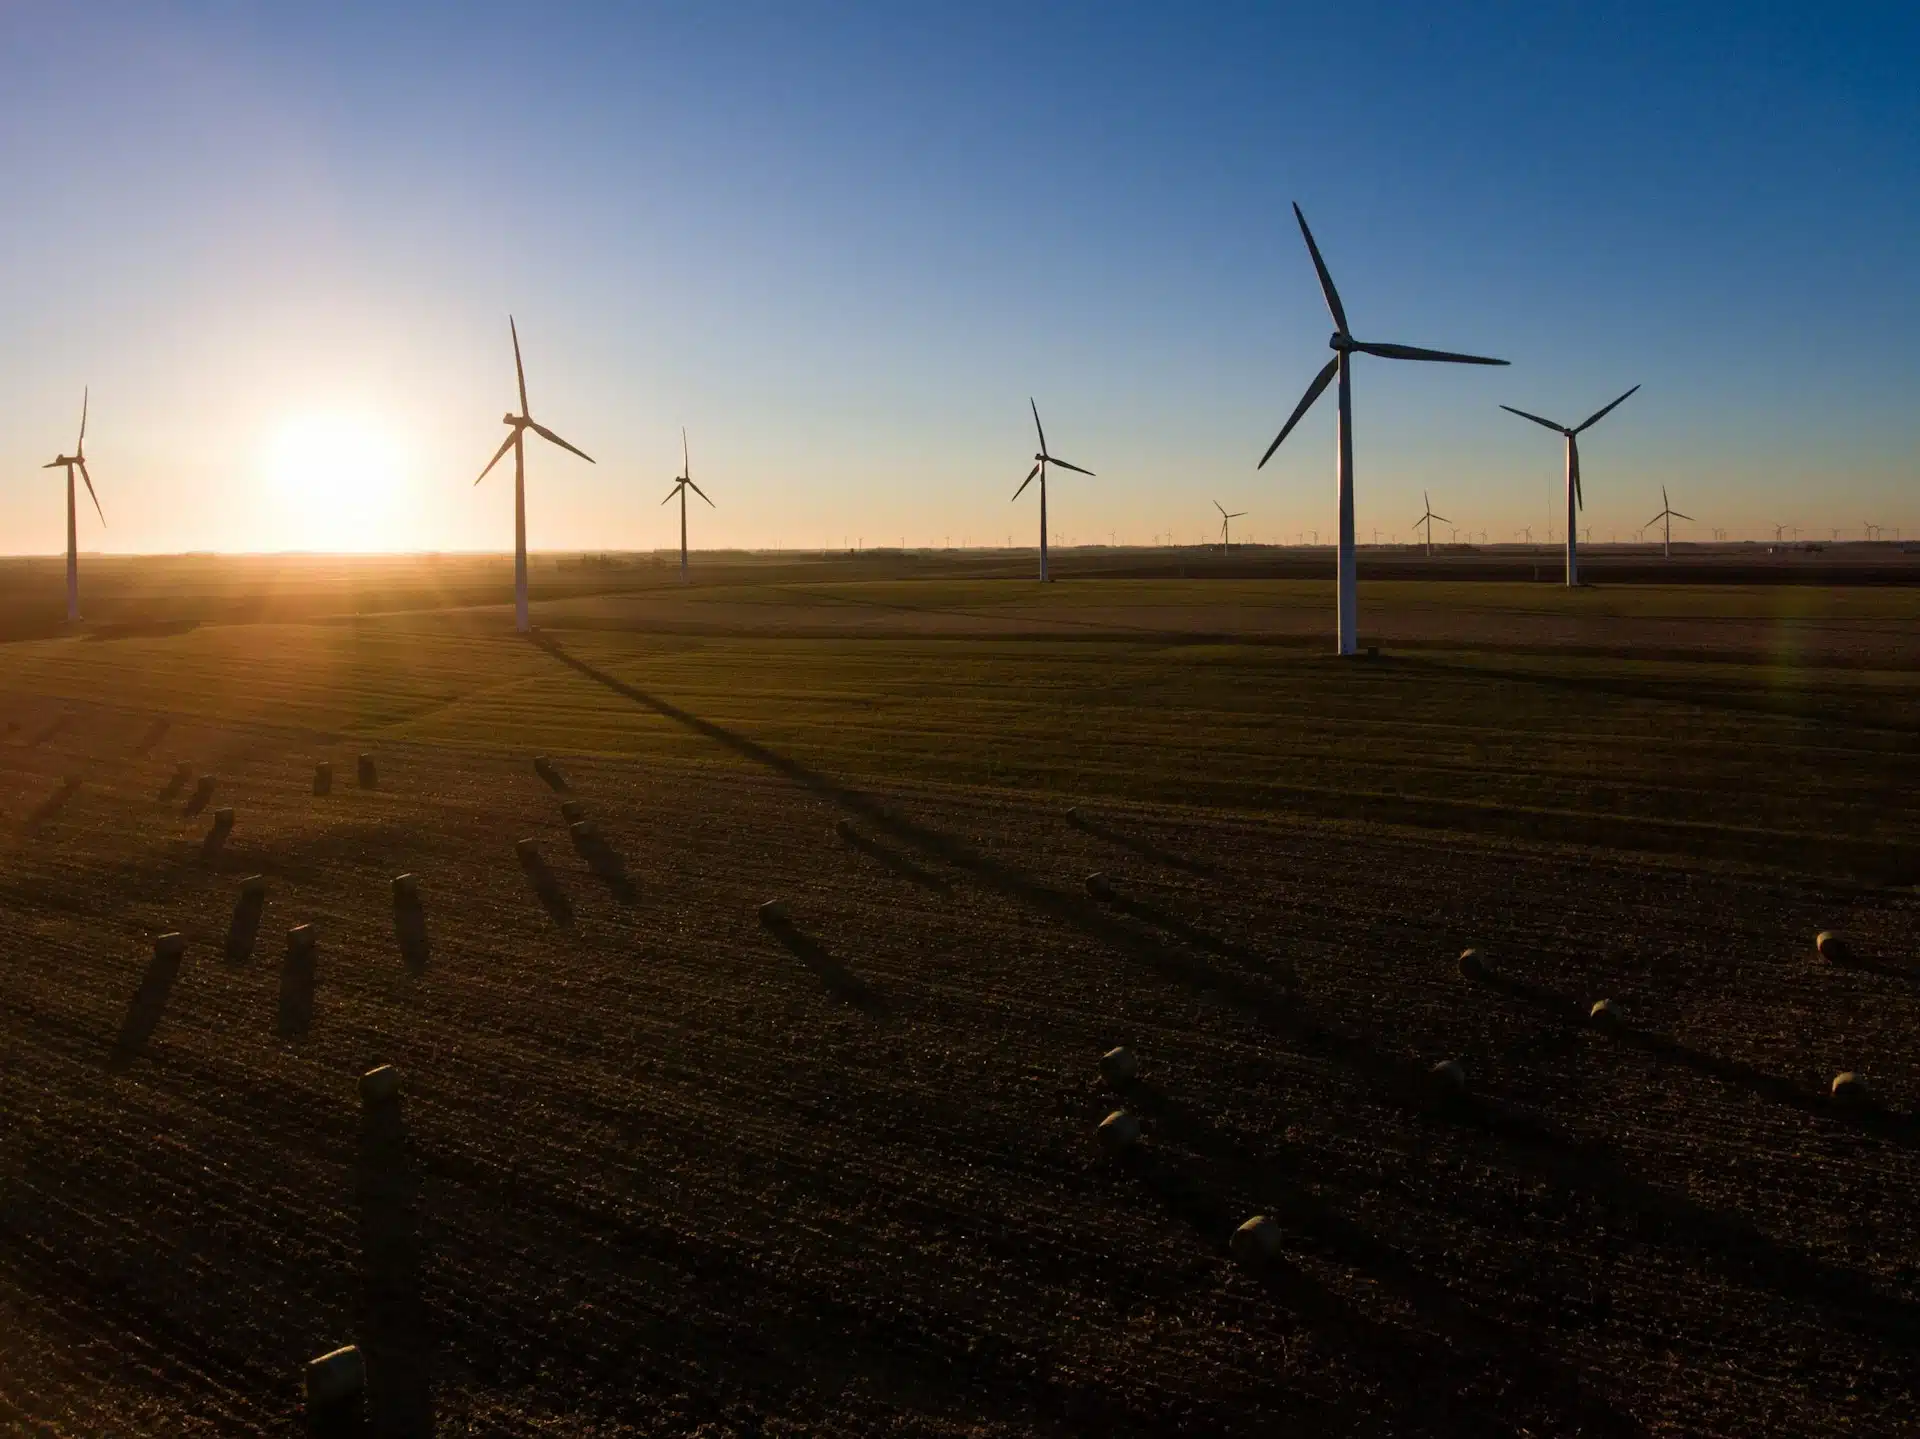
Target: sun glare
[(339, 482)]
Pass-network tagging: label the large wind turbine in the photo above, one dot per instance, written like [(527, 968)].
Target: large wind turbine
[(516, 441), (680, 486), (68, 463), (1344, 346), (1668, 514), (1574, 498), (1040, 463), (1226, 525), (1427, 519)]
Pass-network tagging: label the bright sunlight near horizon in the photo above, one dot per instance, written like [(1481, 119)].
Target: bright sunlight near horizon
[(339, 482)]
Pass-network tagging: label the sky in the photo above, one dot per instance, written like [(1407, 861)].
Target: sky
[(844, 244)]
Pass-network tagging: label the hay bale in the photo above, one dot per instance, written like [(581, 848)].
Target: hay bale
[(1603, 1013), (572, 811), (549, 772), (844, 828), (217, 836), (367, 777), (1831, 947), (301, 939), (323, 778), (1472, 966), (1073, 816), (774, 911), (170, 945), (1119, 1131), (1256, 1241), (529, 852), (1118, 1066), (406, 889), (336, 1380), (254, 884), (1851, 1088), (1099, 886), (380, 1086), (1449, 1077), (583, 834)]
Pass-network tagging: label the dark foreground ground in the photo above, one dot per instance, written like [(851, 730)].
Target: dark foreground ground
[(662, 1169)]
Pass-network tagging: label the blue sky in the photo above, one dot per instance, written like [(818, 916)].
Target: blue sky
[(843, 244)]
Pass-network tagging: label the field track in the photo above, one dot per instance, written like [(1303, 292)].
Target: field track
[(662, 1169)]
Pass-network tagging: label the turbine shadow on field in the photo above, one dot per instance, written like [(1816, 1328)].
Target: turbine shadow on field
[(156, 732), (1146, 849), (394, 1339), (52, 804), (1530, 1145), (841, 982), (891, 860)]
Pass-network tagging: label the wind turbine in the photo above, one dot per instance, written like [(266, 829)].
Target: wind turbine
[(1575, 500), (516, 441), (1668, 514), (1427, 519), (682, 483), (1344, 346), (68, 463), (1040, 463), (1226, 525)]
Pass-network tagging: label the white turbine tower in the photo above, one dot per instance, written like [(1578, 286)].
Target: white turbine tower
[(1668, 514), (516, 441), (1427, 519), (1040, 463), (78, 459), (1227, 518), (1344, 346), (681, 484), (1574, 498)]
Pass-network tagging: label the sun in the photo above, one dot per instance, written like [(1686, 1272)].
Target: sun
[(339, 482)]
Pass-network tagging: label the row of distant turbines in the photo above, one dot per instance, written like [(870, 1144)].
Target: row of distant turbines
[(1344, 347)]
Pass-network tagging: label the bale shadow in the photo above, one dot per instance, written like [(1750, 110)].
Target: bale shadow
[(59, 726), (216, 839), (546, 885), (840, 981), (52, 804), (550, 772), (891, 860), (170, 791), (298, 975), (245, 929), (605, 861), (156, 732), (148, 1005), (394, 1332), (202, 794), (1146, 849), (410, 930)]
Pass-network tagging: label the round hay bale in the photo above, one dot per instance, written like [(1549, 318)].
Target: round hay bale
[(255, 884), (1119, 1130), (1099, 886), (528, 850), (336, 1379), (377, 1086), (170, 945), (1073, 814), (583, 832), (1472, 966), (1449, 1076), (1851, 1088), (1118, 1066), (843, 828), (572, 811), (406, 888), (1830, 947), (302, 936), (774, 911), (1256, 1241), (1603, 1013)]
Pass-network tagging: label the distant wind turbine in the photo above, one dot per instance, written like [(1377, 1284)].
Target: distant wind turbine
[(1427, 519), (1668, 514), (1226, 525), (1040, 463), (516, 441), (1778, 532), (681, 484), (1344, 346), (1575, 501), (78, 459)]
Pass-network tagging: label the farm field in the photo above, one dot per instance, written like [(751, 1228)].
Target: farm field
[(660, 1168)]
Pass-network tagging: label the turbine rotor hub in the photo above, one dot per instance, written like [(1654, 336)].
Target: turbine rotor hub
[(1340, 340)]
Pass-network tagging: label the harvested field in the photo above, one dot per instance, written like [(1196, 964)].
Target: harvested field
[(665, 1168)]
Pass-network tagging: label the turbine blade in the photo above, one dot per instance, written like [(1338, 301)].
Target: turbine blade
[(519, 369), (1220, 507), (1320, 383), (86, 394), (1413, 352), (1600, 414), (672, 492), (1443, 519), (1065, 466), (1659, 517), (1675, 513), (1557, 429), (1238, 515), (96, 499), (1036, 424), (500, 453), (1573, 463), (1334, 307), (1027, 481), (546, 434), (1665, 503), (701, 493)]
